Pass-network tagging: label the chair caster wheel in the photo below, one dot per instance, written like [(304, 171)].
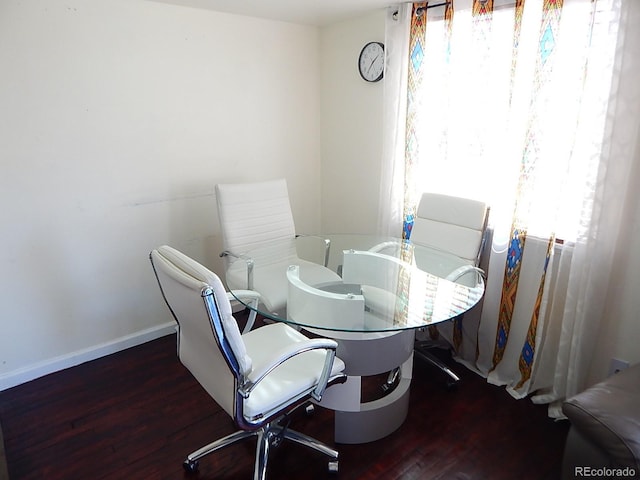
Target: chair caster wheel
[(309, 409), (333, 466), (191, 466), (391, 380), (386, 387)]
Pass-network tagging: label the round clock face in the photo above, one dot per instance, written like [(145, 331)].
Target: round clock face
[(371, 61)]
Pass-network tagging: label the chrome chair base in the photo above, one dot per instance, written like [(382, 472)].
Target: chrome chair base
[(421, 349), (270, 435)]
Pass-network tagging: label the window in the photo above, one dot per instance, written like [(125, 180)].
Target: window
[(506, 113)]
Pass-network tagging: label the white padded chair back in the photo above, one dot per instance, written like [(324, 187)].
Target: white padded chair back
[(450, 224), (209, 345), (252, 214)]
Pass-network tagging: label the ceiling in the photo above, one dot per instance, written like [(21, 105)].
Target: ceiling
[(306, 12)]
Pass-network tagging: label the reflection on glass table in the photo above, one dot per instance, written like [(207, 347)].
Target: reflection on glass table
[(373, 312), (419, 297)]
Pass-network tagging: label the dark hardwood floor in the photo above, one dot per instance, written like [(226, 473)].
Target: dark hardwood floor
[(136, 414)]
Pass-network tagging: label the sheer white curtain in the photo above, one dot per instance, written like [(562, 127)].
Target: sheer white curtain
[(577, 313), (397, 24), (488, 108)]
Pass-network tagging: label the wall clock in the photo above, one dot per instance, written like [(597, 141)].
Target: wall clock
[(371, 62)]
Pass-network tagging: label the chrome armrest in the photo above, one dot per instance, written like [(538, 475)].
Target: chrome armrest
[(384, 245), (250, 299), (327, 245), (461, 271), (248, 260), (288, 352)]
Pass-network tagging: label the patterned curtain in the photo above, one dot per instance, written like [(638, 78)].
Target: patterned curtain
[(494, 102), (414, 105), (549, 31)]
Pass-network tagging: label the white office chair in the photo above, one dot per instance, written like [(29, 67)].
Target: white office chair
[(258, 229), (451, 225), (259, 377), (458, 226)]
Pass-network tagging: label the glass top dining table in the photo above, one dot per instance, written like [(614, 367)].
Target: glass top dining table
[(382, 291), (402, 286)]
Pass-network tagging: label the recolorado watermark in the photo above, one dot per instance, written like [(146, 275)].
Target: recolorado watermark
[(605, 472)]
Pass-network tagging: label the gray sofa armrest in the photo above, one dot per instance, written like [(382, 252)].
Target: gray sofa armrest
[(608, 415)]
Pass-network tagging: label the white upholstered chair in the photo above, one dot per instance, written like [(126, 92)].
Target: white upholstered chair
[(258, 231), (257, 377), (455, 225), (451, 225)]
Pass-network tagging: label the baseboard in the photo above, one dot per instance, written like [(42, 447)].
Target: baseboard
[(40, 369)]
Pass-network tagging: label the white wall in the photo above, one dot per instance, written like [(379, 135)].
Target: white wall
[(351, 128), (117, 118)]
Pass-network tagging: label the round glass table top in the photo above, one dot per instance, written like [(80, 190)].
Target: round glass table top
[(382, 284)]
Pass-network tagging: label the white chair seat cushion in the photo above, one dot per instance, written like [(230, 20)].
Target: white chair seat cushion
[(289, 379), (271, 280)]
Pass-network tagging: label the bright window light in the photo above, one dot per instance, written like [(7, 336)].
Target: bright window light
[(483, 112)]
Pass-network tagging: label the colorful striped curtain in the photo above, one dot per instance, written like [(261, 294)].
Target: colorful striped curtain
[(495, 98)]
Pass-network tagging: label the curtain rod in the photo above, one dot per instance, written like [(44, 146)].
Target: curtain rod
[(441, 4), (419, 10)]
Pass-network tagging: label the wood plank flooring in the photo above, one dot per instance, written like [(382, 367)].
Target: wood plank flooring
[(136, 414)]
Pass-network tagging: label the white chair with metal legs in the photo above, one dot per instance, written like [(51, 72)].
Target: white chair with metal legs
[(258, 377), (258, 230), (451, 225)]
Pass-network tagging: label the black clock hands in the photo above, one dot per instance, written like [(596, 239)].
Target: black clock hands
[(372, 62)]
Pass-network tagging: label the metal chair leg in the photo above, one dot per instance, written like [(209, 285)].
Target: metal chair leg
[(436, 362), (391, 379), (262, 454), (268, 436), (220, 443), (191, 462), (310, 442)]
